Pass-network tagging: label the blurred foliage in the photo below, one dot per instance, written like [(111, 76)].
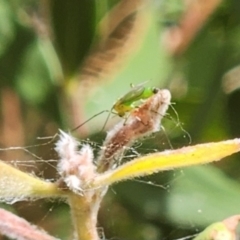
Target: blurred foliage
[(46, 83)]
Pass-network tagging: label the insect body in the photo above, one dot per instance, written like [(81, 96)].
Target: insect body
[(128, 101)]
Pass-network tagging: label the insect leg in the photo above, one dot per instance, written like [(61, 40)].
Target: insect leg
[(107, 119), (89, 119)]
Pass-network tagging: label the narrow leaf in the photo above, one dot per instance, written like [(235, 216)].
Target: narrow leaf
[(16, 185), (122, 33), (171, 159)]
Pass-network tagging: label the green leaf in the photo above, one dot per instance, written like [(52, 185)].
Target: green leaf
[(201, 196)]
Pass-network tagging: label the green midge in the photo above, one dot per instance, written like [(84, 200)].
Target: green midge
[(127, 102)]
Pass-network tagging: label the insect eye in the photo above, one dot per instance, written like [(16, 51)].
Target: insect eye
[(155, 90)]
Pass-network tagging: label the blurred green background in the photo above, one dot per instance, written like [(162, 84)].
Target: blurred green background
[(61, 62)]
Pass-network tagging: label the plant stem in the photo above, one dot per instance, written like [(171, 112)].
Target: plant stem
[(84, 216)]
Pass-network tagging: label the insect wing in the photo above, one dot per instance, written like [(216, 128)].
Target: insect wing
[(133, 95)]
